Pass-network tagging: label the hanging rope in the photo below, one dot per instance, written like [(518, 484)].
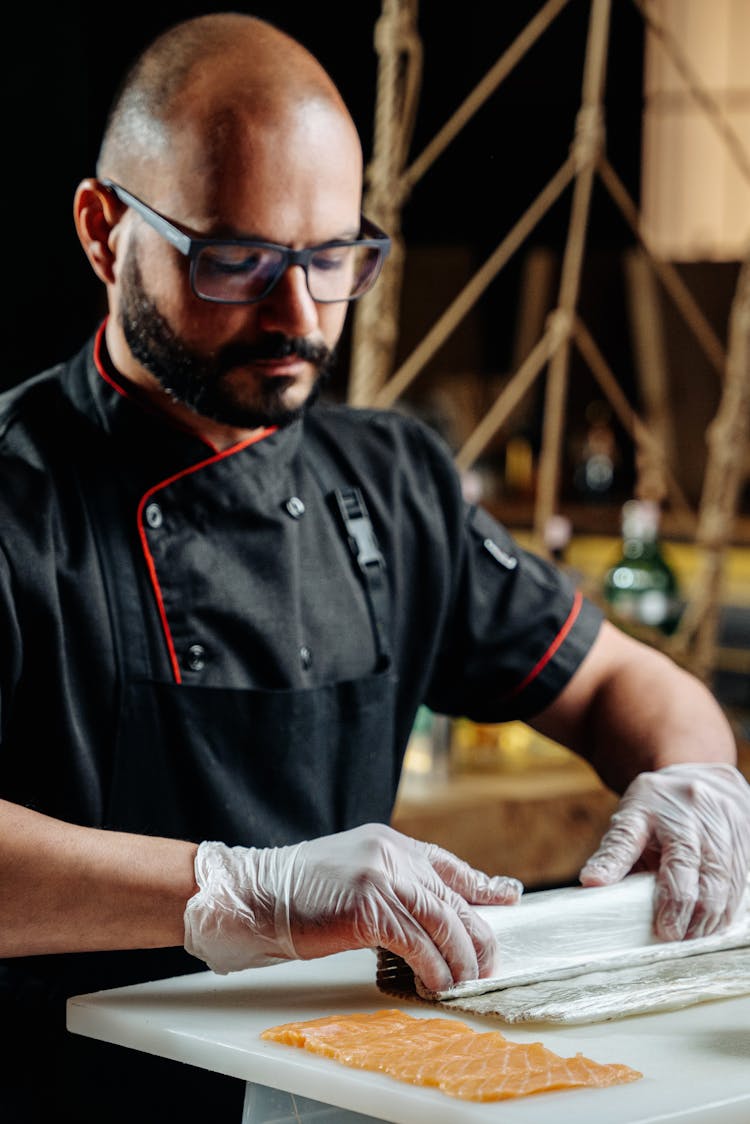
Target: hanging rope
[(655, 478), (471, 293), (558, 329), (588, 142), (681, 296), (399, 52), (375, 327), (728, 443), (479, 95)]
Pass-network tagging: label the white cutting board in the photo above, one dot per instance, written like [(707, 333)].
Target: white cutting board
[(696, 1062)]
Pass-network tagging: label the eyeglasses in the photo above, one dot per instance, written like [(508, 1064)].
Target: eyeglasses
[(242, 270)]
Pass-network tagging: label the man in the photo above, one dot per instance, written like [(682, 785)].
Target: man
[(205, 695)]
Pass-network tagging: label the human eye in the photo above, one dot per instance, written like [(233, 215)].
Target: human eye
[(233, 259), (331, 258), (235, 271)]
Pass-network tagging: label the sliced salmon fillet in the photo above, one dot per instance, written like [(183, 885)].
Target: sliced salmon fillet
[(447, 1055)]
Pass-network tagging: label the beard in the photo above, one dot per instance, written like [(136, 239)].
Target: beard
[(199, 381)]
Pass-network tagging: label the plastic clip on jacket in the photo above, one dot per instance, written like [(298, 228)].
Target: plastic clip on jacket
[(362, 541), (371, 563)]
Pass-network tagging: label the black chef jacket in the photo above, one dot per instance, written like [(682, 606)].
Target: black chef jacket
[(191, 649)]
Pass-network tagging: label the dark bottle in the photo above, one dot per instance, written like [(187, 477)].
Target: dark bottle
[(641, 588), (595, 470)]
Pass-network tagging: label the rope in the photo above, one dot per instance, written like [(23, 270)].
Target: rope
[(481, 92), (473, 290), (375, 330), (704, 334), (512, 393), (655, 477), (399, 76), (588, 141), (376, 319), (728, 442), (375, 326)]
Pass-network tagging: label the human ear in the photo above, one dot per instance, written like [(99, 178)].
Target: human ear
[(97, 211)]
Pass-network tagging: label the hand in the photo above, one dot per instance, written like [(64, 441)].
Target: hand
[(365, 888), (690, 823)]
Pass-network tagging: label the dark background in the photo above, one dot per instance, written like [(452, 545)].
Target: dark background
[(63, 65)]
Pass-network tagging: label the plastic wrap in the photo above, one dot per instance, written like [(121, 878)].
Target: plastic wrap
[(601, 996), (587, 954)]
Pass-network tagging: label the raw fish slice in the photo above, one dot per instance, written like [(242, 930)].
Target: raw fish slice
[(446, 1055)]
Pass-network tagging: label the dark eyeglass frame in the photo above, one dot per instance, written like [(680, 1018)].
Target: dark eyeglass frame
[(192, 247)]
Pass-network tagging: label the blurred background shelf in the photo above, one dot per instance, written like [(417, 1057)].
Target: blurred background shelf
[(539, 824)]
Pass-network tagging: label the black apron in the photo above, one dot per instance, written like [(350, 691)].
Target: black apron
[(250, 767)]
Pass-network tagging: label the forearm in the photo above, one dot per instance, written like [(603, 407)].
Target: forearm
[(637, 726), (66, 888), (641, 712)]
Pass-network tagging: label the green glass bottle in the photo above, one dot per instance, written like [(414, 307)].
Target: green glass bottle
[(641, 588)]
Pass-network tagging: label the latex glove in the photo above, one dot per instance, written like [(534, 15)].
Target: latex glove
[(691, 824), (365, 888)]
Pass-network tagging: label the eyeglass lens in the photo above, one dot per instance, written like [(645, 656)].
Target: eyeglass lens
[(242, 273)]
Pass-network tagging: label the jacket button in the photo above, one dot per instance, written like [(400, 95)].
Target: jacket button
[(305, 657), (195, 657), (295, 507), (154, 517)]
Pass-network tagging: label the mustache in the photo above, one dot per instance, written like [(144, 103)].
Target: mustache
[(274, 345)]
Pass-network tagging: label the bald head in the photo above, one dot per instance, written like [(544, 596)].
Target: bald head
[(202, 82)]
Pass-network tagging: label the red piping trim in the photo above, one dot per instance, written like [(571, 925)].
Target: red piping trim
[(159, 599), (144, 540), (99, 361), (542, 663)]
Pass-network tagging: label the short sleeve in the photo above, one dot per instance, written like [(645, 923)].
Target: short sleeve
[(518, 631)]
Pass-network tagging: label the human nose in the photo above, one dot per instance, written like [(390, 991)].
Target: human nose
[(289, 308)]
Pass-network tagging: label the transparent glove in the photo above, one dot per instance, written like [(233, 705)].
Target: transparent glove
[(365, 888), (691, 824)]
